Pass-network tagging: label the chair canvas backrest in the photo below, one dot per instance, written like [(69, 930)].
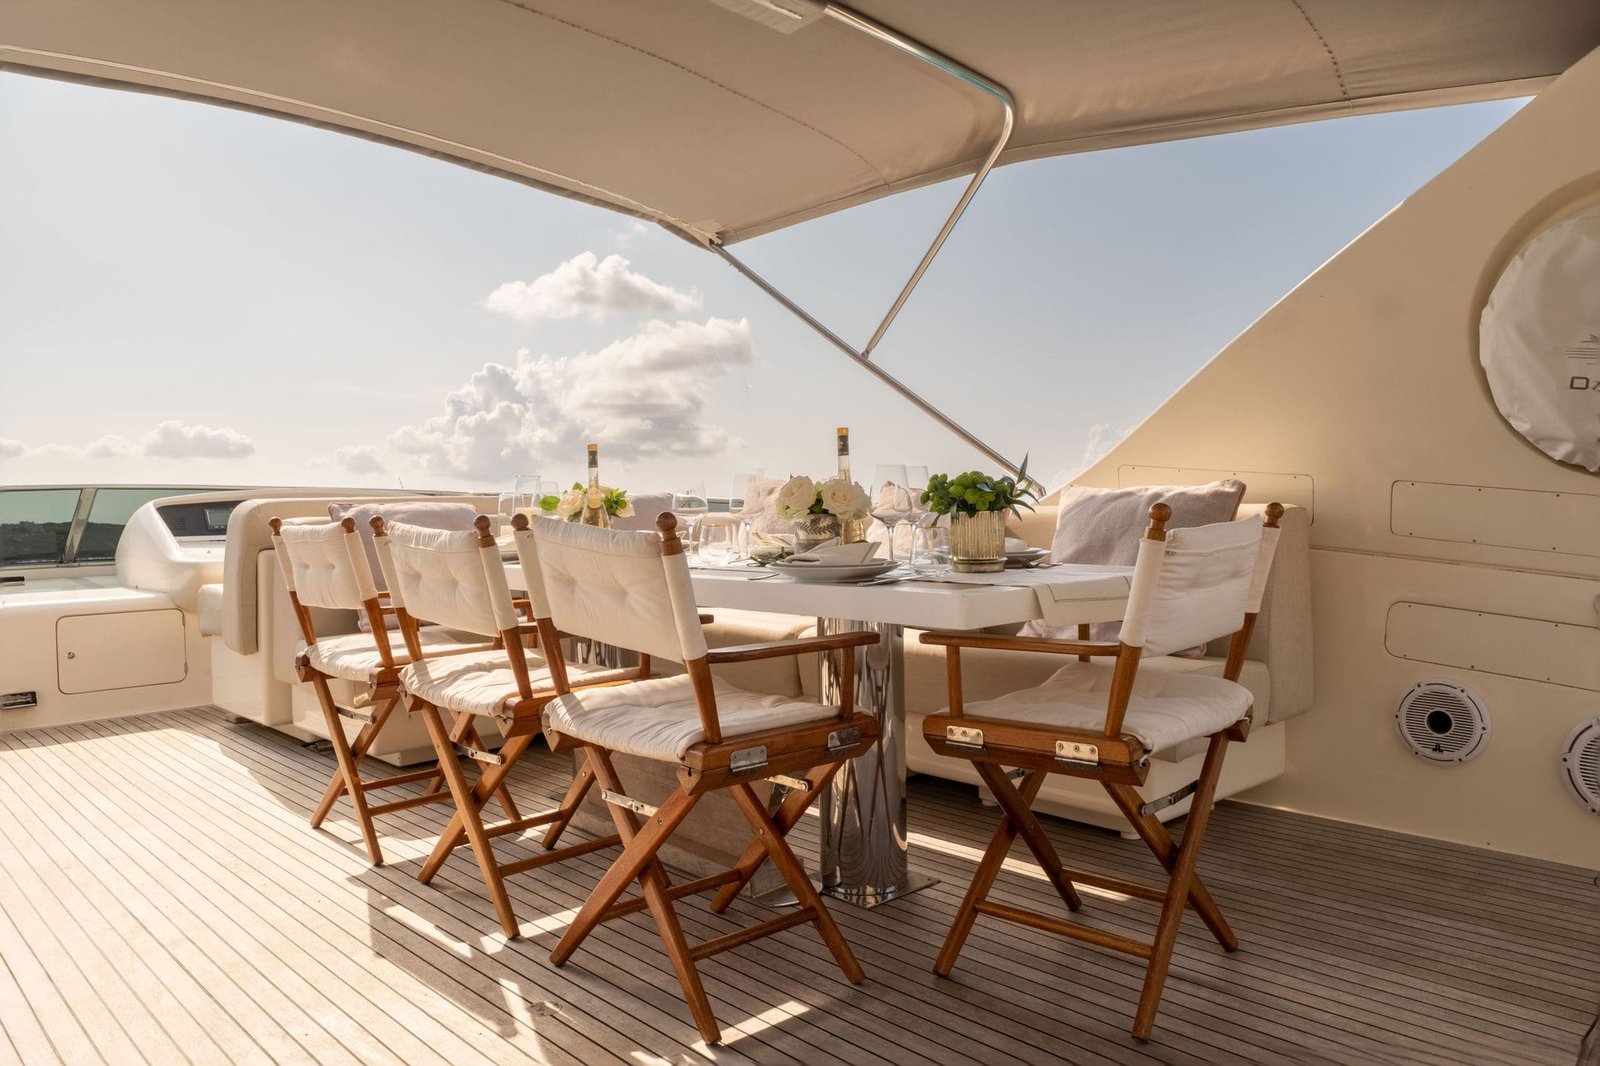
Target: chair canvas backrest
[(1196, 585), (324, 565), (614, 586), (448, 577)]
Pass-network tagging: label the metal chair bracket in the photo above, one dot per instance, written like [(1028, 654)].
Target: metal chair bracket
[(492, 758), (745, 760), (617, 799), (840, 739), (355, 716), (1147, 809), (1077, 754), (963, 736), (793, 784)]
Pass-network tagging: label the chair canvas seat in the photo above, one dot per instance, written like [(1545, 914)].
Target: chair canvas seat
[(483, 682), (355, 656), (659, 719), (1165, 710)]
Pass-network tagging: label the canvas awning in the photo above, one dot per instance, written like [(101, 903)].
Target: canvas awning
[(687, 113)]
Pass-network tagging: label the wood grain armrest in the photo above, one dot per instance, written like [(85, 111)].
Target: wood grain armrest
[(798, 646), (1042, 644)]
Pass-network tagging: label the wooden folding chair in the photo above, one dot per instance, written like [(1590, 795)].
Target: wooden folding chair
[(632, 589), (324, 565), (1101, 722), (457, 579)]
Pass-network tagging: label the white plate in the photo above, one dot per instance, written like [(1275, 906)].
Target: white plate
[(1027, 555), (820, 573)]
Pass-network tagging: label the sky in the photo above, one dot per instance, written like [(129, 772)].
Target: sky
[(190, 294)]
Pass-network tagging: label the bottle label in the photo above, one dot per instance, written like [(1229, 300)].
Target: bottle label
[(844, 441)]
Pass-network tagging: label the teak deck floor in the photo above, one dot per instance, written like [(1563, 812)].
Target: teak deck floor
[(163, 900)]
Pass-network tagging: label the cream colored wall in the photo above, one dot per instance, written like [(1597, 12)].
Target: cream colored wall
[(1367, 375)]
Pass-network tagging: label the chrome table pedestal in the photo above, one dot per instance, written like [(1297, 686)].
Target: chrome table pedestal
[(864, 847)]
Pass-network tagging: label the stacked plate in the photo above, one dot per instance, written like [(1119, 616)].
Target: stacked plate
[(832, 573), (1026, 557)]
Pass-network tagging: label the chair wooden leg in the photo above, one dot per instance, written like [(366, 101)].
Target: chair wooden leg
[(639, 851), (1021, 811), (358, 751), (1179, 890), (467, 808), (491, 782), (582, 781), (983, 879), (347, 768), (790, 811), (769, 835), (465, 731), (652, 881), (1161, 844)]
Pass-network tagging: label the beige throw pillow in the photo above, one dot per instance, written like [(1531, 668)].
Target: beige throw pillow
[(1103, 527)]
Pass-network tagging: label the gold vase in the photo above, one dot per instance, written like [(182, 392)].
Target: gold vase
[(978, 543), (814, 529)]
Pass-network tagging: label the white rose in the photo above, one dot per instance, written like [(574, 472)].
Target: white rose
[(844, 499), (626, 510), (571, 503), (796, 497)]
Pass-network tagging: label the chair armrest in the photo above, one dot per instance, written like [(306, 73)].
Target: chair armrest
[(707, 619), (1041, 644), (799, 646)]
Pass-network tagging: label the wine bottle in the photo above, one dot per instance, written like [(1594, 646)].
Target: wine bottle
[(594, 504), (844, 453)]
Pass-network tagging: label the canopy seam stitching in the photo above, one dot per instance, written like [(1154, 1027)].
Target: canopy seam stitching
[(709, 81), (1338, 72)]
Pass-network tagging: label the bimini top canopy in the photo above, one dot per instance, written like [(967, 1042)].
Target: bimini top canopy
[(694, 114)]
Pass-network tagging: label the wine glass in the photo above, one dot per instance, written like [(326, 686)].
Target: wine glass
[(745, 500), (690, 505), (891, 499)]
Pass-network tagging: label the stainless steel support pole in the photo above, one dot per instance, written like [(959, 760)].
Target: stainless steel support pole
[(864, 847)]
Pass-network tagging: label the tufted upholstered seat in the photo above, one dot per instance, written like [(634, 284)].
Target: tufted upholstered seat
[(660, 719)]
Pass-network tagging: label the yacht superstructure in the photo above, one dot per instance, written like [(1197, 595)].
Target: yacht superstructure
[(1441, 547)]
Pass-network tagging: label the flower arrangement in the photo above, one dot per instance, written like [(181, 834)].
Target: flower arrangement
[(569, 507), (800, 496), (973, 492)]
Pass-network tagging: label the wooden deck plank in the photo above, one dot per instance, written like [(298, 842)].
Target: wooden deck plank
[(220, 923)]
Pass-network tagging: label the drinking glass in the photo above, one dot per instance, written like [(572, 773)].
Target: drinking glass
[(690, 505), (745, 500), (719, 540), (930, 547), (917, 481), (891, 499), (526, 489), (508, 511), (548, 492)]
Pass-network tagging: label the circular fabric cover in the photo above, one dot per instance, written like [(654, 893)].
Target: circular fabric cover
[(1539, 340)]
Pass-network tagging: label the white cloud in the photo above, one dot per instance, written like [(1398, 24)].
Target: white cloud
[(642, 396), (1097, 444), (591, 287), (360, 459), (109, 446), (11, 449), (174, 440)]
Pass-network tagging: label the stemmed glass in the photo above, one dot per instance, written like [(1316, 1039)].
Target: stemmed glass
[(690, 504), (891, 499), (745, 500)]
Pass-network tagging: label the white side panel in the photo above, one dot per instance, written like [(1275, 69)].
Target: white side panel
[(100, 652), (1565, 522), (1366, 375), (1534, 649)]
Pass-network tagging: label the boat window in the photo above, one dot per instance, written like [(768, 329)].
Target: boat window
[(34, 524), (108, 513)]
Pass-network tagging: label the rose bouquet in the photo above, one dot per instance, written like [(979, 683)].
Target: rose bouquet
[(800, 496), (570, 507)]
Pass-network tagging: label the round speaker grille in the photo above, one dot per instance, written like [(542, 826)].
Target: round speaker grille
[(1442, 721), (1580, 763)]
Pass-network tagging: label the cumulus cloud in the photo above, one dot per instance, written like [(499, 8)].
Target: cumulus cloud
[(642, 396), (10, 449), (1098, 443), (174, 440), (359, 459), (590, 287), (109, 447)]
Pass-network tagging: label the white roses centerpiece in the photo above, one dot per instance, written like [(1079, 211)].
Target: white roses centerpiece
[(822, 510), (570, 505)]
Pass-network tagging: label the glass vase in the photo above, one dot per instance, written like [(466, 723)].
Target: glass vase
[(978, 543)]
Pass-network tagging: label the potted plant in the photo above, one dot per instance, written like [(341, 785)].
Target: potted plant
[(823, 510), (977, 504)]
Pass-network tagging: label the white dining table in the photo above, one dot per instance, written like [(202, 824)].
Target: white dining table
[(865, 855)]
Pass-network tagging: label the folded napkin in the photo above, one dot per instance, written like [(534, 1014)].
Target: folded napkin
[(1015, 544), (832, 553)]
